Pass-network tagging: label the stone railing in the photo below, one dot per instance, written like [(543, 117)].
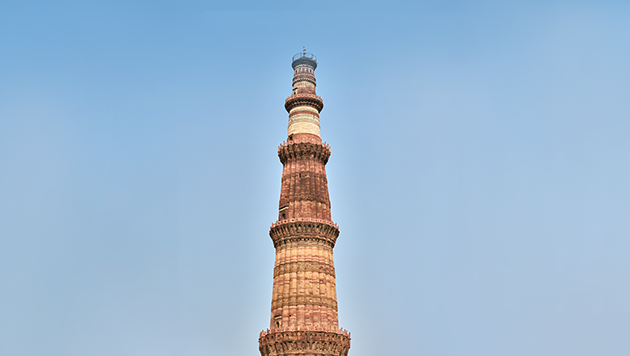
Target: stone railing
[(329, 329), (321, 221), (283, 231), (305, 140)]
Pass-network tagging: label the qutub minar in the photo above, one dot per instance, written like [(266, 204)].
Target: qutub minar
[(304, 303)]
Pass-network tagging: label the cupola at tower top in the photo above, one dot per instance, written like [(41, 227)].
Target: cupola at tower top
[(304, 58)]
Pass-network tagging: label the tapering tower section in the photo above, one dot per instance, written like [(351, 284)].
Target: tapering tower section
[(304, 318)]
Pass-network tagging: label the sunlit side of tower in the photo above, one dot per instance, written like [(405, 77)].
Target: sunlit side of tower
[(304, 317)]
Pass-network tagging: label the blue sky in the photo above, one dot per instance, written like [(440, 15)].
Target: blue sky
[(479, 174)]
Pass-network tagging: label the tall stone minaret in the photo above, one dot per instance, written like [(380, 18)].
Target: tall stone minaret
[(304, 303)]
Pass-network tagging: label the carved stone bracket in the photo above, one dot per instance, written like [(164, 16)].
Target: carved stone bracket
[(304, 342), (304, 149), (304, 229)]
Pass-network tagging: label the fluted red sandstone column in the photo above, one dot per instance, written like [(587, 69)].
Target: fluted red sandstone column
[(304, 303)]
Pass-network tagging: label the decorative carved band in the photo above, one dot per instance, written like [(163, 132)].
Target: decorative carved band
[(290, 301), (303, 149), (306, 197), (295, 267), (306, 138), (311, 100), (304, 229), (326, 328), (305, 175), (303, 343)]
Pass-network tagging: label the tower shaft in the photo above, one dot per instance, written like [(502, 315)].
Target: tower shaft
[(304, 317)]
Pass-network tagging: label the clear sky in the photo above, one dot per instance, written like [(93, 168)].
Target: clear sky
[(479, 174)]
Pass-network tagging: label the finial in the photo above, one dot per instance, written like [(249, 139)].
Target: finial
[(304, 49)]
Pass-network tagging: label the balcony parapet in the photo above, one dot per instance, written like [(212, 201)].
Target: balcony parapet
[(311, 100), (304, 147), (303, 229), (307, 341), (317, 328)]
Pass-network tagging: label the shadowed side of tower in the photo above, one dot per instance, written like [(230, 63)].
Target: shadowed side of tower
[(304, 317)]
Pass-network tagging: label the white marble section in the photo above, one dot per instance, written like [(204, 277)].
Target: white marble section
[(307, 121)]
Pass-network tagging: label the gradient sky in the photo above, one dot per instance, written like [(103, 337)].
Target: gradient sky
[(479, 174)]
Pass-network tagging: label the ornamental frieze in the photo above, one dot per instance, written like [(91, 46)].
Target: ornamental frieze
[(325, 343), (304, 300), (306, 197), (305, 175), (295, 267)]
